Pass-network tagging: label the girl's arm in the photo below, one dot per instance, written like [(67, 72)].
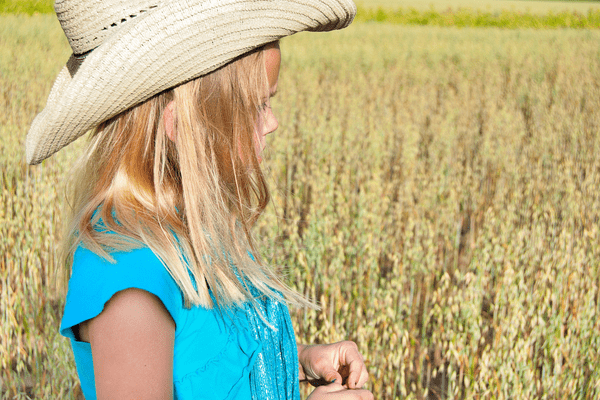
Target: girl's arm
[(132, 342)]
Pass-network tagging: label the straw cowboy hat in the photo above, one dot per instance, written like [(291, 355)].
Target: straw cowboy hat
[(124, 52)]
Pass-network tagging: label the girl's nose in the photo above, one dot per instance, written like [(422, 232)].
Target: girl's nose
[(271, 124)]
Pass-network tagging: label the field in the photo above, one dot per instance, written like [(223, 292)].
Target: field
[(435, 189), (529, 6), (540, 7)]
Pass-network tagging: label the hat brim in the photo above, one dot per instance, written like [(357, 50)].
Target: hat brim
[(174, 43)]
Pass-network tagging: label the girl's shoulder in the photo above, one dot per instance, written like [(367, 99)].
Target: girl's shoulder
[(95, 280)]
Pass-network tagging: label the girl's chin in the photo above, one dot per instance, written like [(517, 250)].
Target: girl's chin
[(259, 155)]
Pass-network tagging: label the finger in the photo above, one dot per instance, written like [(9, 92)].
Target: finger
[(350, 354), (331, 388), (332, 376), (364, 377), (346, 394), (363, 394), (356, 366), (336, 391), (358, 375)]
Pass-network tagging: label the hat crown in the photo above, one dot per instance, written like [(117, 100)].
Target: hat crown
[(88, 23)]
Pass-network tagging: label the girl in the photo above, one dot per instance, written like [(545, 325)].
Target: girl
[(168, 297)]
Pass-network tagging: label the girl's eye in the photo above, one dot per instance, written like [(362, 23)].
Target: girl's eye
[(265, 105)]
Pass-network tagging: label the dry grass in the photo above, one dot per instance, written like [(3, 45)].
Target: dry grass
[(435, 189)]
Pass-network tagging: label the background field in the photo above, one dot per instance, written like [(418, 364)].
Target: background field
[(485, 5), (436, 189), (542, 7)]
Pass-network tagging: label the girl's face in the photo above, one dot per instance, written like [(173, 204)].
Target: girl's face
[(267, 121)]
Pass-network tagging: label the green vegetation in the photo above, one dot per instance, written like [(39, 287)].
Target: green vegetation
[(436, 189), (533, 6), (466, 17), (28, 7), (466, 14)]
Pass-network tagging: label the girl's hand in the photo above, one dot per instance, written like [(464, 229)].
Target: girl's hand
[(325, 363), (335, 391)]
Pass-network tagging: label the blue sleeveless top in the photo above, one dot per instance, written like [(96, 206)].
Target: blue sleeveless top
[(217, 355)]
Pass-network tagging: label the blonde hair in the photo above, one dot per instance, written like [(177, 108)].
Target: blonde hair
[(192, 200)]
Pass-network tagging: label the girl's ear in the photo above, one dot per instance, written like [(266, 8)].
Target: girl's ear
[(169, 121)]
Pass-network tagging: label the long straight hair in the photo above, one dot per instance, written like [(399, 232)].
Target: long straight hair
[(192, 200)]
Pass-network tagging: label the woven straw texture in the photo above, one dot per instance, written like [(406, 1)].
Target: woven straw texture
[(126, 52)]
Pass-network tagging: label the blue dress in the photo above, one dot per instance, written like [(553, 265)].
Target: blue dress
[(217, 355)]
